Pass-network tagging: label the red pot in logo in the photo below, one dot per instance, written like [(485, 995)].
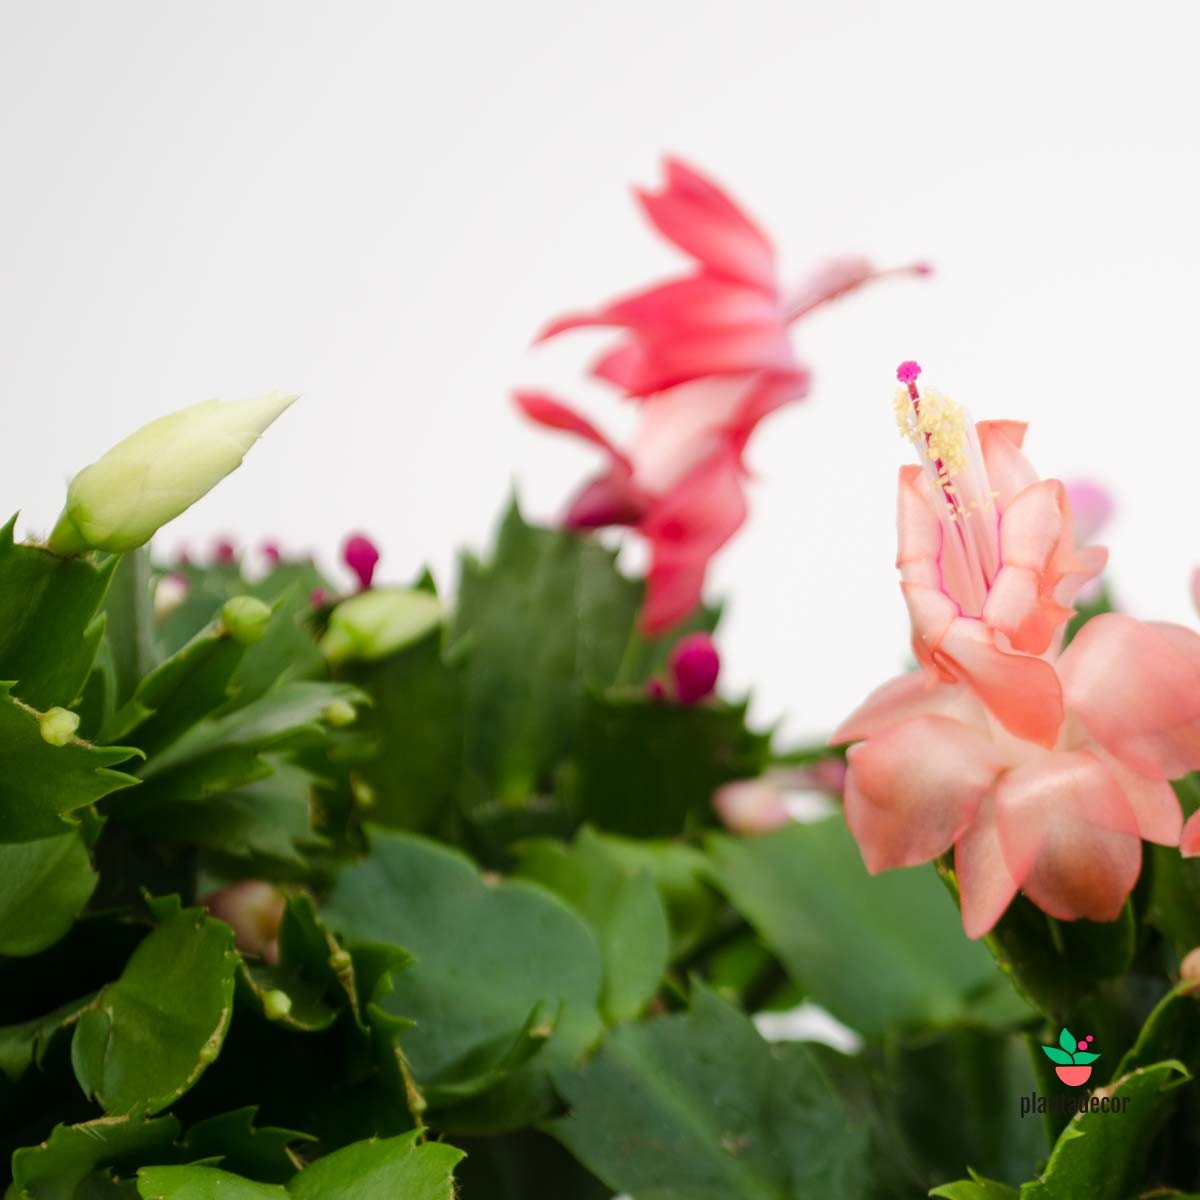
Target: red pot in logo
[(1074, 1076)]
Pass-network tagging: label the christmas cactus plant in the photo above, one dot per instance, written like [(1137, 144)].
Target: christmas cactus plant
[(491, 892)]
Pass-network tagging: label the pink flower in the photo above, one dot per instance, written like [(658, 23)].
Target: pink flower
[(1092, 505), (1043, 768), (756, 806), (360, 555), (694, 665), (253, 910), (706, 355), (224, 551)]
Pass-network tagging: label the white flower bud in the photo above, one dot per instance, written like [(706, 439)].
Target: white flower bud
[(122, 499), (377, 623)]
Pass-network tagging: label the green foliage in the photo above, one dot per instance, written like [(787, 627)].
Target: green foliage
[(49, 631), (698, 1107), (622, 906), (148, 1036), (42, 786), (507, 926), (534, 976), (43, 886), (376, 1170), (881, 952)]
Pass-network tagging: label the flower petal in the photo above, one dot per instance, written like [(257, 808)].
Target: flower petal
[(986, 885), (1136, 687), (1153, 801), (1037, 550), (1069, 835), (913, 789), (914, 694), (1009, 471), (701, 220), (1021, 691), (1189, 841)]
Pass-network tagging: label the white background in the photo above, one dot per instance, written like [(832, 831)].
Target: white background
[(377, 204)]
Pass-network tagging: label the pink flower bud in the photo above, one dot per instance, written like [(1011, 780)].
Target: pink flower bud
[(253, 910), (655, 689), (318, 597), (224, 551), (360, 555), (694, 665), (751, 806), (272, 553)]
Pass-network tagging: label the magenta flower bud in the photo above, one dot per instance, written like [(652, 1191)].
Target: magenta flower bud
[(360, 555), (655, 689), (318, 597), (1092, 507), (695, 665), (224, 551), (272, 553)]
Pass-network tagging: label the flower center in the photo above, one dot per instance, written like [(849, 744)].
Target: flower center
[(948, 449)]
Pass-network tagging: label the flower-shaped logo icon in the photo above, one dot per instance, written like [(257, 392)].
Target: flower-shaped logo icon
[(1072, 1059)]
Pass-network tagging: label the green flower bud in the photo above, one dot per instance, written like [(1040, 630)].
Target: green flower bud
[(58, 725), (276, 1004), (245, 619), (122, 499), (377, 623), (340, 961), (340, 713)]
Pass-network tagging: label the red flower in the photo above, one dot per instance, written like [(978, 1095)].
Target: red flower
[(707, 356)]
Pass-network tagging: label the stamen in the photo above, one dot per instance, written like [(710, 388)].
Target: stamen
[(945, 441)]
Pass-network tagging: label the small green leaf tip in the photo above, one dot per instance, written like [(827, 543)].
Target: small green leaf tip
[(58, 725), (245, 619), (377, 623), (276, 1004), (127, 495), (340, 713)]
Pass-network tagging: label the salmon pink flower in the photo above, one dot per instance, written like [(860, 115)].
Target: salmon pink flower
[(1044, 768), (706, 356)]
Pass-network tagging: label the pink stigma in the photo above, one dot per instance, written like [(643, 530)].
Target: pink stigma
[(908, 371), (360, 555)]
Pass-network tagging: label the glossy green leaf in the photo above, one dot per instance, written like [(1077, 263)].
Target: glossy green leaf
[(42, 785), (881, 952), (382, 1170), (545, 617), (1102, 1155), (186, 688), (149, 1036), (622, 906), (49, 630), (698, 1107), (975, 1188), (262, 1152), (399, 1168), (683, 878), (25, 1045), (72, 1154), (527, 949), (649, 768), (415, 724), (43, 885)]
